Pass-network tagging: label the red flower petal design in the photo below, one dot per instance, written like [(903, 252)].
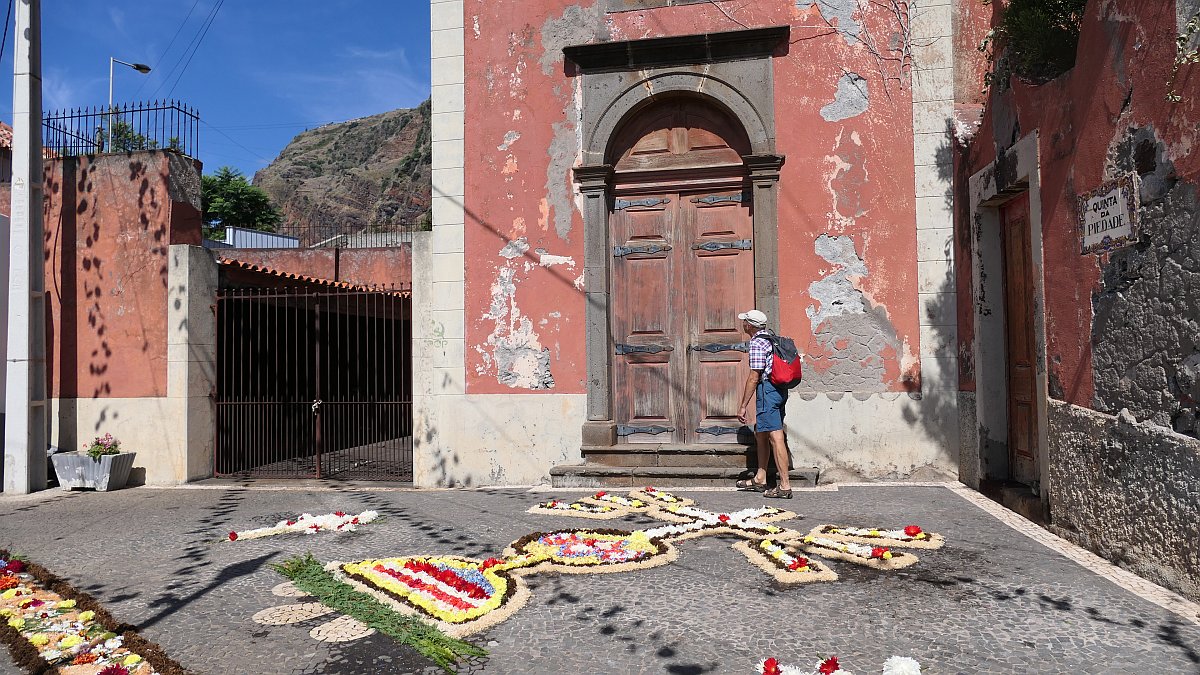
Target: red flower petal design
[(771, 667), (233, 536), (912, 530), (829, 666)]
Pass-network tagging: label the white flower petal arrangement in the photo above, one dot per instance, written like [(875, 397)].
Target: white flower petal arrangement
[(896, 665), (309, 524)]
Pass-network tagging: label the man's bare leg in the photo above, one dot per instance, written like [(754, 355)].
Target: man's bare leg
[(762, 446), (779, 446)]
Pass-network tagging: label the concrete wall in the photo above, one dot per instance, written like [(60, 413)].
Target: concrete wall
[(865, 256), (1128, 490), (130, 330), (361, 266)]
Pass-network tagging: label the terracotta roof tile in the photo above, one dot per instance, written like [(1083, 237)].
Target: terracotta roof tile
[(290, 276)]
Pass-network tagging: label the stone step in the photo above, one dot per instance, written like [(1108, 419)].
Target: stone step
[(598, 475), (634, 454)]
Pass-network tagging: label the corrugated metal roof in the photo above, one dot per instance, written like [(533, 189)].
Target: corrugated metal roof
[(290, 276)]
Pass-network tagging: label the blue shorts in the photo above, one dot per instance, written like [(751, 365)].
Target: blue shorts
[(770, 400)]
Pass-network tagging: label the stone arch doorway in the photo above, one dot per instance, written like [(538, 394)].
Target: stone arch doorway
[(681, 268), (621, 85)]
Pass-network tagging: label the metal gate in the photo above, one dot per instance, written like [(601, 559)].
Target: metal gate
[(314, 383)]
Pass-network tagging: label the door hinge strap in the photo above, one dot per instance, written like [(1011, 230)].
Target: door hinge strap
[(622, 204), (621, 251), (623, 430), (718, 431), (641, 349), (718, 199), (714, 347), (710, 246)]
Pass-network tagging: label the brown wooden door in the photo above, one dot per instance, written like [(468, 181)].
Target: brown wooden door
[(683, 267), (648, 336), (718, 285), (1019, 341)]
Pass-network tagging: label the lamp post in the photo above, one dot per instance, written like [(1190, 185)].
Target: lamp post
[(140, 67)]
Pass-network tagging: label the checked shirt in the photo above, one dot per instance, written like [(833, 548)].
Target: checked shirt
[(760, 352)]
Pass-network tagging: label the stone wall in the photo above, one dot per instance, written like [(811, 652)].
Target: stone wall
[(1127, 491), (1146, 323)]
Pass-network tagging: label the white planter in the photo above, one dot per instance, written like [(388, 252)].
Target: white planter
[(78, 470)]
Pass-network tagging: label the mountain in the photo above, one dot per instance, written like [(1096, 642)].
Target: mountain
[(371, 174)]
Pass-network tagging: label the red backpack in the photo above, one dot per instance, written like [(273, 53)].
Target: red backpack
[(785, 362)]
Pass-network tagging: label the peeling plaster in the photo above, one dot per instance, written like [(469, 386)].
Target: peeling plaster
[(846, 180), (509, 138), (550, 260), (857, 339), (838, 13), (518, 357), (851, 100), (563, 150), (515, 248), (576, 26)]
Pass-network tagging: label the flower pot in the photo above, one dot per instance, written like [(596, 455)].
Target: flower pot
[(78, 470)]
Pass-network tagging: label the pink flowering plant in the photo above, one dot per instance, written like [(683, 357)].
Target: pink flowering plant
[(103, 445)]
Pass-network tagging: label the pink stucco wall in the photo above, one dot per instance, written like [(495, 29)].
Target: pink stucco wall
[(851, 177), (1083, 119), (109, 222)]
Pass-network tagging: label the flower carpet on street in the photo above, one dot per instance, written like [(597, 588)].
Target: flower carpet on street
[(460, 596), (896, 665), (307, 523), (50, 627)]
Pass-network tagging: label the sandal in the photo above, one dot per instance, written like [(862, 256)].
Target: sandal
[(749, 484), (776, 493)]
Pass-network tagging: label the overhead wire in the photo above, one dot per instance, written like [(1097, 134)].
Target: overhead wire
[(4, 38), (212, 18), (170, 44), (199, 32)]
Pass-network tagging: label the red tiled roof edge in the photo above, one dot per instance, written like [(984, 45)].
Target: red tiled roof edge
[(260, 269)]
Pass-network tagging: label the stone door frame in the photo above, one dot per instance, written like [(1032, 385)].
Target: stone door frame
[(618, 80), (1016, 171)]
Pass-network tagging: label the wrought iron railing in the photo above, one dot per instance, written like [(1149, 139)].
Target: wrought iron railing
[(124, 127), (314, 382)]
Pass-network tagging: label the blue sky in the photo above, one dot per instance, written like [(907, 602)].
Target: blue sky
[(264, 71)]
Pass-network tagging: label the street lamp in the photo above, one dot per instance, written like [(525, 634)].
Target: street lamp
[(140, 67)]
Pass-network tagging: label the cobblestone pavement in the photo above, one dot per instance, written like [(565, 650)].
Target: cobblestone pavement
[(993, 600)]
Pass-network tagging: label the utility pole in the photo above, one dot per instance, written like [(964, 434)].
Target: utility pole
[(25, 394)]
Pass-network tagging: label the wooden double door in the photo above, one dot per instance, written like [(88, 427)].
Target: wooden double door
[(682, 268)]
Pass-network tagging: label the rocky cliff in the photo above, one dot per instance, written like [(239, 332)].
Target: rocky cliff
[(366, 175)]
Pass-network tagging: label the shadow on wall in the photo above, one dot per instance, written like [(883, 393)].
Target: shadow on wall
[(937, 410), (96, 267)]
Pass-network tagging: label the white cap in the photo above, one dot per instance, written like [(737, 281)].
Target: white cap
[(754, 317)]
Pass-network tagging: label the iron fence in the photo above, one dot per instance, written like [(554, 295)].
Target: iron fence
[(124, 127), (314, 383)]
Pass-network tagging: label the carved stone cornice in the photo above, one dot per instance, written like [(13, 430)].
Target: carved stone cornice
[(594, 178), (678, 50), (763, 168)]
